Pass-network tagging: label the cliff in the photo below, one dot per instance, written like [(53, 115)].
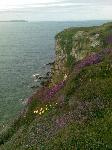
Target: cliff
[(74, 44), (73, 111)]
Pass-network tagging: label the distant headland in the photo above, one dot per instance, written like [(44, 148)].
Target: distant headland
[(13, 21)]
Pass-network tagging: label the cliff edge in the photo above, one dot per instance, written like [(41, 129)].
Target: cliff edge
[(73, 111)]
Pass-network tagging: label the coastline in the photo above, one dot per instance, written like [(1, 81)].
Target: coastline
[(74, 105)]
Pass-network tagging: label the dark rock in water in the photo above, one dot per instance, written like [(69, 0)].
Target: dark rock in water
[(34, 87), (45, 78), (37, 77), (40, 78), (42, 83), (48, 74), (50, 64)]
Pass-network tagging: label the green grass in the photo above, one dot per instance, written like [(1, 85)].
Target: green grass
[(91, 135)]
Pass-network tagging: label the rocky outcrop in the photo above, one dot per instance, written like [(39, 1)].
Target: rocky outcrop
[(72, 45)]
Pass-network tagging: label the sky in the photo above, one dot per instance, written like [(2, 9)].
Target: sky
[(55, 10)]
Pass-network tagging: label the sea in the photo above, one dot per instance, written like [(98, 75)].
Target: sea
[(25, 49)]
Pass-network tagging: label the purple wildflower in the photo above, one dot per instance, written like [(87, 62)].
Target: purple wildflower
[(51, 92), (109, 39), (64, 120), (92, 59)]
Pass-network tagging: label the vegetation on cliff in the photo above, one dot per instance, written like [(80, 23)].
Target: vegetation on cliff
[(74, 110)]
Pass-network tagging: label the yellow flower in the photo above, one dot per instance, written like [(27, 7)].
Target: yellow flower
[(46, 108), (37, 111), (41, 109), (50, 105), (40, 113)]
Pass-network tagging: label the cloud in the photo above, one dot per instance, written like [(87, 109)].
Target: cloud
[(90, 1), (24, 4), (61, 10)]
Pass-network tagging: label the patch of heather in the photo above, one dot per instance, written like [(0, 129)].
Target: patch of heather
[(105, 51), (45, 94), (51, 92), (62, 121), (92, 59), (109, 39)]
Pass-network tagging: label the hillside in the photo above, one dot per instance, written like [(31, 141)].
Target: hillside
[(74, 110)]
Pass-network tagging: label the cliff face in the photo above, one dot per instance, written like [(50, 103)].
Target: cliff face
[(74, 44), (74, 111)]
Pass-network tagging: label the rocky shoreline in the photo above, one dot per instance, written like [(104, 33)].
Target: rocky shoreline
[(44, 81)]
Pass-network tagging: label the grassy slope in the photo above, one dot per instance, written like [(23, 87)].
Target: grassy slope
[(82, 120)]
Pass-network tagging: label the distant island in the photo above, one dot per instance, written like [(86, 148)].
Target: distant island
[(13, 21)]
